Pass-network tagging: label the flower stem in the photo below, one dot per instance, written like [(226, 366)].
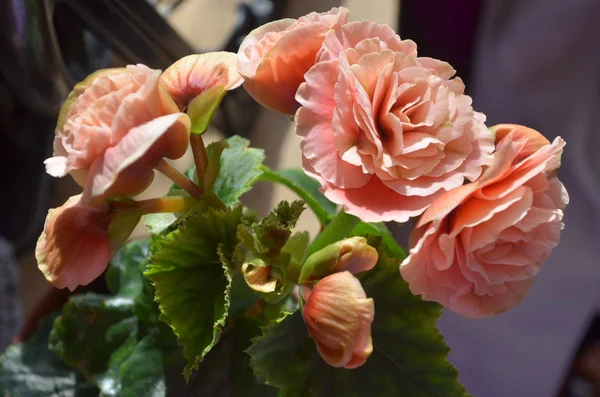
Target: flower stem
[(166, 204), (179, 179), (200, 157), (315, 206)]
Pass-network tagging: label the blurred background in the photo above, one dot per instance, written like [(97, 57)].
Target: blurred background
[(532, 62)]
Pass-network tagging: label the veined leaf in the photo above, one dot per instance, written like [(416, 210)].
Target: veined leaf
[(191, 270)]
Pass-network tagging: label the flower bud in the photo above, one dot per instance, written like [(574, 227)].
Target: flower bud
[(352, 254), (338, 315), (259, 278), (78, 241)]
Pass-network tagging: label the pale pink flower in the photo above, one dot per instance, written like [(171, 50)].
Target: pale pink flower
[(338, 315), (74, 247), (384, 131), (113, 129), (274, 57), (477, 248)]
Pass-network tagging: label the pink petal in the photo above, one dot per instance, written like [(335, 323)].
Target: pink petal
[(134, 146), (374, 202), (353, 33), (73, 248), (472, 305), (192, 75), (314, 125)]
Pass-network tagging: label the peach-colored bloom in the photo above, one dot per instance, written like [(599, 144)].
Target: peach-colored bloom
[(194, 74), (74, 247), (338, 315), (477, 248), (384, 131), (113, 129), (274, 57)]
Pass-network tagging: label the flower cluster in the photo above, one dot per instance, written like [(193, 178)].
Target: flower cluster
[(391, 136)]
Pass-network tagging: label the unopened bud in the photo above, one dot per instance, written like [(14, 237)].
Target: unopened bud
[(338, 315), (259, 278), (352, 254)]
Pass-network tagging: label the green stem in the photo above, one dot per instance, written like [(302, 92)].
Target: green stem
[(315, 206), (200, 157), (179, 179), (166, 204)]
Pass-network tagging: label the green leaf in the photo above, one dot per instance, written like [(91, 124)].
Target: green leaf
[(293, 253), (240, 168), (202, 108), (305, 187), (213, 154), (409, 356), (226, 370), (380, 229), (31, 370), (89, 329), (136, 369), (310, 185), (340, 227), (191, 270), (124, 276), (159, 223), (242, 297)]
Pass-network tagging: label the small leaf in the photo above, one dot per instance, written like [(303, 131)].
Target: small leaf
[(409, 356), (202, 108), (213, 154), (31, 370), (159, 223), (293, 253), (191, 271), (240, 168)]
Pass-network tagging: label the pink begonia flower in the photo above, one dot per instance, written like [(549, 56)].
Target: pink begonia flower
[(194, 74), (274, 57), (384, 131), (477, 248), (74, 247), (113, 129), (338, 315)]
